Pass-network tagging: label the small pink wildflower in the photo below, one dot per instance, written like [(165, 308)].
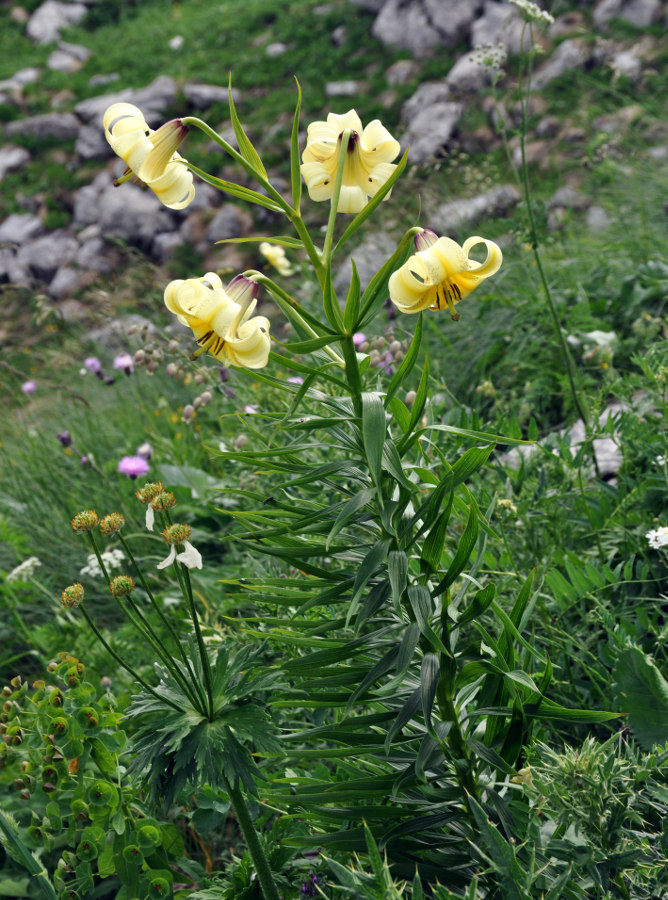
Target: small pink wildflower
[(28, 387), (133, 466)]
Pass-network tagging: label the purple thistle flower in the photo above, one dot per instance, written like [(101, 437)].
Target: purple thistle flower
[(133, 466), (85, 460), (223, 373), (296, 379), (93, 364), (358, 338), (65, 438), (124, 361), (145, 451), (28, 387)]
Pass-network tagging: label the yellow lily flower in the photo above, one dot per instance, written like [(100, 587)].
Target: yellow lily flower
[(219, 318), (275, 256), (150, 155), (368, 162), (441, 274)]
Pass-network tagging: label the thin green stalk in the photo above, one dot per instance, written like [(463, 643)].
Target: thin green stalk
[(309, 246), (206, 665), (144, 627), (124, 665), (163, 617), (257, 854)]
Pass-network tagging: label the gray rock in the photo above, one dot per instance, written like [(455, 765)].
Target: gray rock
[(133, 214), (92, 144), (91, 255), (640, 13), (371, 254), (468, 75), (45, 255), (597, 218), (420, 25), (430, 130), (427, 94), (607, 451), (19, 228), (339, 35), (277, 48), (68, 57), (165, 244), (11, 159), (451, 218), (20, 78), (402, 71), (568, 198), (202, 96), (86, 200), (64, 283), (342, 88), (152, 100), (660, 152), (100, 80), (227, 223), (500, 23), (51, 17), (62, 126), (620, 120), (571, 54), (12, 270)]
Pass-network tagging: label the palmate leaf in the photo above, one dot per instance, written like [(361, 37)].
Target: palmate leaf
[(642, 691)]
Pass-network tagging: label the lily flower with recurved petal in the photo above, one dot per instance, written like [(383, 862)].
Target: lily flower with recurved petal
[(220, 318), (150, 155), (441, 273), (368, 163)]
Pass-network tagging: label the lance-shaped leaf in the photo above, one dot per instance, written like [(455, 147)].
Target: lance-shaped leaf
[(429, 674), (236, 190), (352, 308), (481, 600), (421, 604), (463, 553), (397, 569), (373, 433), (246, 148), (295, 172)]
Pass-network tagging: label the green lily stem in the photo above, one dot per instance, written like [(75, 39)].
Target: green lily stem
[(163, 618), (204, 656), (257, 854), (282, 297), (121, 662), (353, 373), (456, 741)]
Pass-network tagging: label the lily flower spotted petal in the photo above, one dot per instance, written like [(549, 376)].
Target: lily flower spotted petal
[(368, 162), (150, 155), (220, 318), (441, 273)]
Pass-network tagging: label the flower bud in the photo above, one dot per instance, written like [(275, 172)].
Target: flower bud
[(177, 533), (165, 500), (149, 491), (111, 524), (121, 586), (84, 521), (72, 595)]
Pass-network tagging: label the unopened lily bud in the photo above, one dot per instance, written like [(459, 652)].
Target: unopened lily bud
[(111, 524), (72, 595), (84, 521)]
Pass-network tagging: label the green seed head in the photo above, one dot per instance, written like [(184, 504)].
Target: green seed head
[(112, 524), (121, 586), (72, 595)]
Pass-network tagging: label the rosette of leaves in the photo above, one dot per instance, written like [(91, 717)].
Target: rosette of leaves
[(175, 745)]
